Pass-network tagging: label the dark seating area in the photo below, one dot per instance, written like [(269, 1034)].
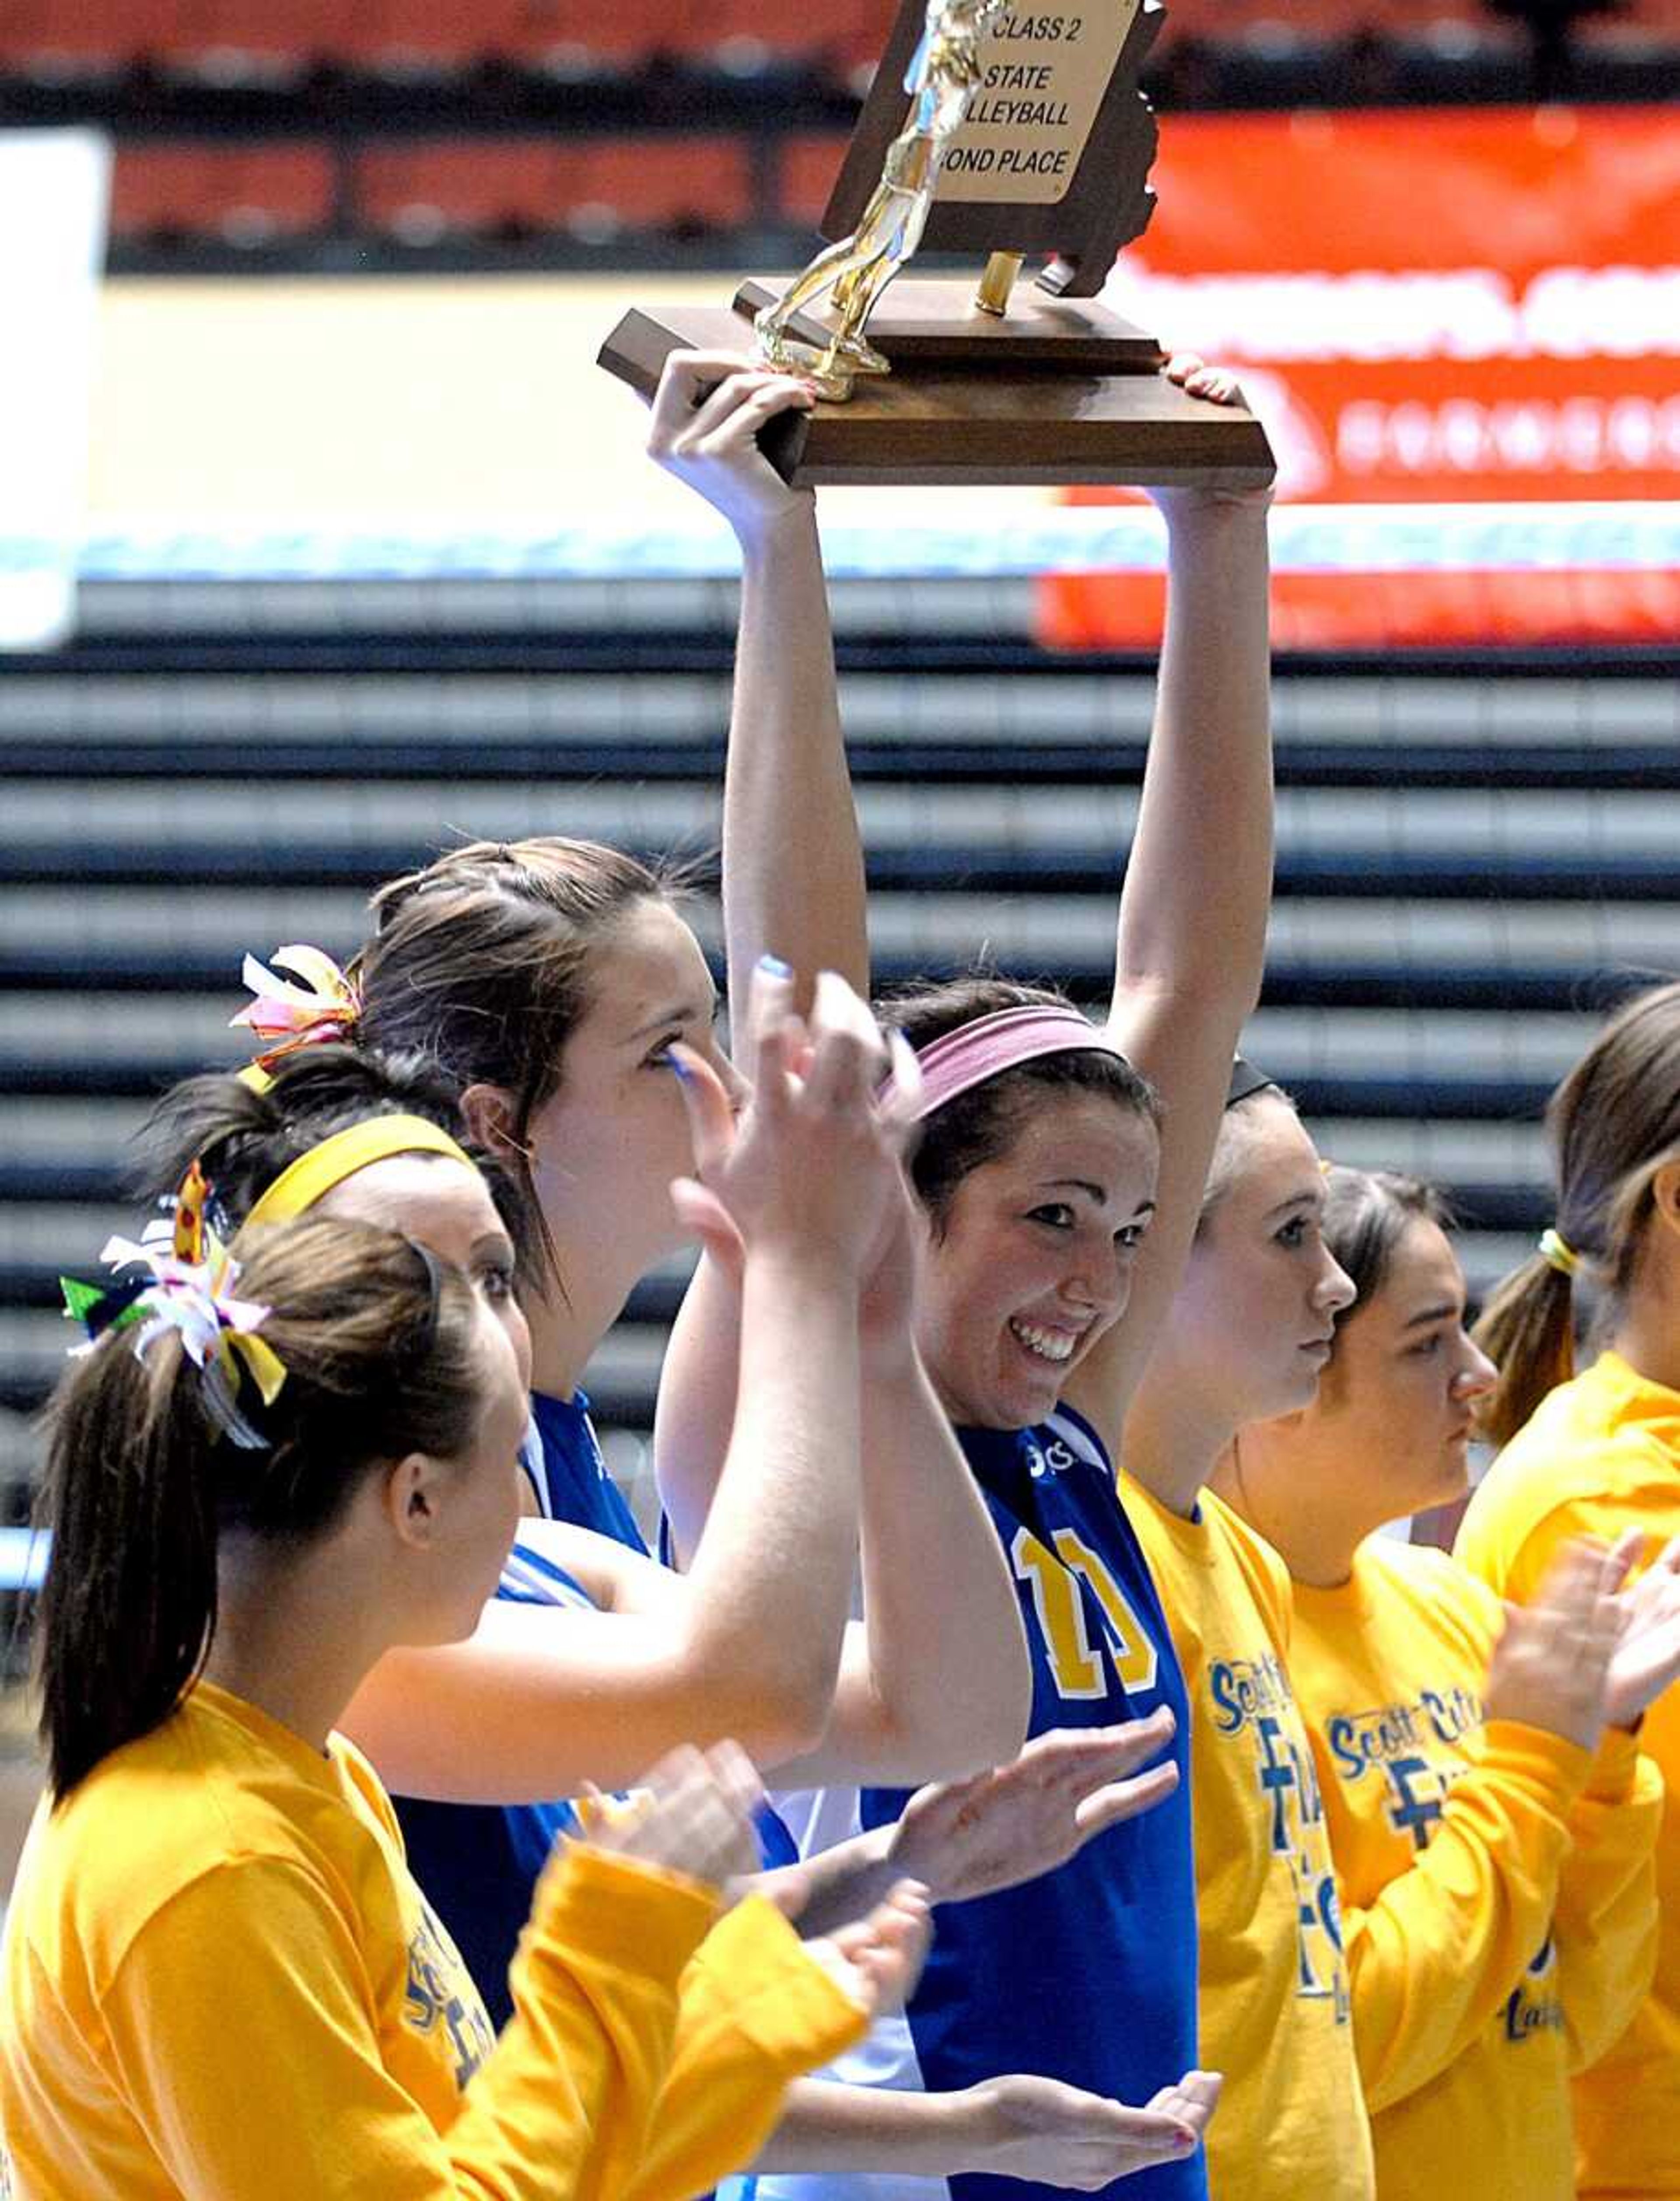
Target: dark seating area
[(298, 132)]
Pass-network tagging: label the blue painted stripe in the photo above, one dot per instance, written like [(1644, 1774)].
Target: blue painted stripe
[(1372, 538)]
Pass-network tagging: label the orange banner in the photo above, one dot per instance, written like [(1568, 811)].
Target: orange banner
[(1436, 307)]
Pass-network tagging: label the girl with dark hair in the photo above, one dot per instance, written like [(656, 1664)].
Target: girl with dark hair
[(682, 1660), (1598, 1453), (1057, 1194), (1495, 1875), (218, 1970), (328, 1131)]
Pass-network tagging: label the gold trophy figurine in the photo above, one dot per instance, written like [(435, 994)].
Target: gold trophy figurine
[(943, 78)]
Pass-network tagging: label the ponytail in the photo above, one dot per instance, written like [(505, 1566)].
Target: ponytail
[(1613, 1125), (381, 1349), (1527, 1329), (129, 1603)]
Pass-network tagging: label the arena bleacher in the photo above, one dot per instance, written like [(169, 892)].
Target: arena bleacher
[(578, 133), (1471, 865)]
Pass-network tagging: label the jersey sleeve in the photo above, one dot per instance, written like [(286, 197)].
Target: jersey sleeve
[(245, 2033), (1606, 1916), (1431, 1959), (1614, 1485), (756, 2012)]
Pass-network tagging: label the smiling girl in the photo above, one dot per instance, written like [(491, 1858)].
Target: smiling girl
[(1058, 1175)]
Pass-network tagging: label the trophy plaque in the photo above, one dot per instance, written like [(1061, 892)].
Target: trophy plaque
[(1000, 129)]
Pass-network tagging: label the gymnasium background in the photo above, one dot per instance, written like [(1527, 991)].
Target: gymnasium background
[(323, 542)]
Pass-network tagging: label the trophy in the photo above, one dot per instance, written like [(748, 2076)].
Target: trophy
[(994, 130)]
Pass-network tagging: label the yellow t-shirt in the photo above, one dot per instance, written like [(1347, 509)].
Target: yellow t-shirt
[(221, 1981), (1450, 1836), (1602, 1454), (1274, 2001)]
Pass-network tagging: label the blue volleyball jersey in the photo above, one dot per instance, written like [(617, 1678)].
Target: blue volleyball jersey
[(574, 1484), (478, 1862), (1087, 1974)]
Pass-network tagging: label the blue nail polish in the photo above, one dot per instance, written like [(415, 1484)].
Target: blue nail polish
[(675, 1063), (773, 966)]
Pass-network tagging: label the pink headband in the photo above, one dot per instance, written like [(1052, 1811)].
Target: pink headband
[(960, 1059)]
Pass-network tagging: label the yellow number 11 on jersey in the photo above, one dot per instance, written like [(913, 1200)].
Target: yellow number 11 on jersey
[(1055, 1579)]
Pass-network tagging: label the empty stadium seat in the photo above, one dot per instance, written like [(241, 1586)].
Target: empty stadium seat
[(538, 185), (241, 193)]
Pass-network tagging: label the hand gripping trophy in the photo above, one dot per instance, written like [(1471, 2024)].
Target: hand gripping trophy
[(942, 79)]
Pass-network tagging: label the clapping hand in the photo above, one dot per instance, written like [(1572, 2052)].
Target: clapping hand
[(1647, 1657), (969, 1838)]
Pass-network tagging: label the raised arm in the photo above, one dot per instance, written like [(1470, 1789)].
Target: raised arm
[(793, 884), (1192, 933), (792, 859), (804, 1195), (755, 1642), (947, 1671)]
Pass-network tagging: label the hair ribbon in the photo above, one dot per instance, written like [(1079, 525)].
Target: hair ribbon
[(324, 1005), (189, 1289)]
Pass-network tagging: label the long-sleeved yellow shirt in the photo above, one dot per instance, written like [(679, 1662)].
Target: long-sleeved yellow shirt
[(1602, 1454), (1452, 1839), (221, 1980), (1274, 2001)]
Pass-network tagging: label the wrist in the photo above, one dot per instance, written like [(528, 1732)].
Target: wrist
[(908, 1858), (769, 536), (972, 2127), (1195, 518), (800, 1270), (889, 1351)]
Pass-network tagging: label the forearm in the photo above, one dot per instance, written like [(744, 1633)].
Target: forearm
[(1198, 886), (1606, 1917), (756, 2011), (772, 1575), (948, 1659), (696, 1410), (1432, 1958), (793, 881), (843, 1883), (827, 2126)]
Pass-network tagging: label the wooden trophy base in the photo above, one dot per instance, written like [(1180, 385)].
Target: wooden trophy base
[(1056, 391)]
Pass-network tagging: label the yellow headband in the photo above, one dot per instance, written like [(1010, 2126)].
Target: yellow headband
[(312, 1175)]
